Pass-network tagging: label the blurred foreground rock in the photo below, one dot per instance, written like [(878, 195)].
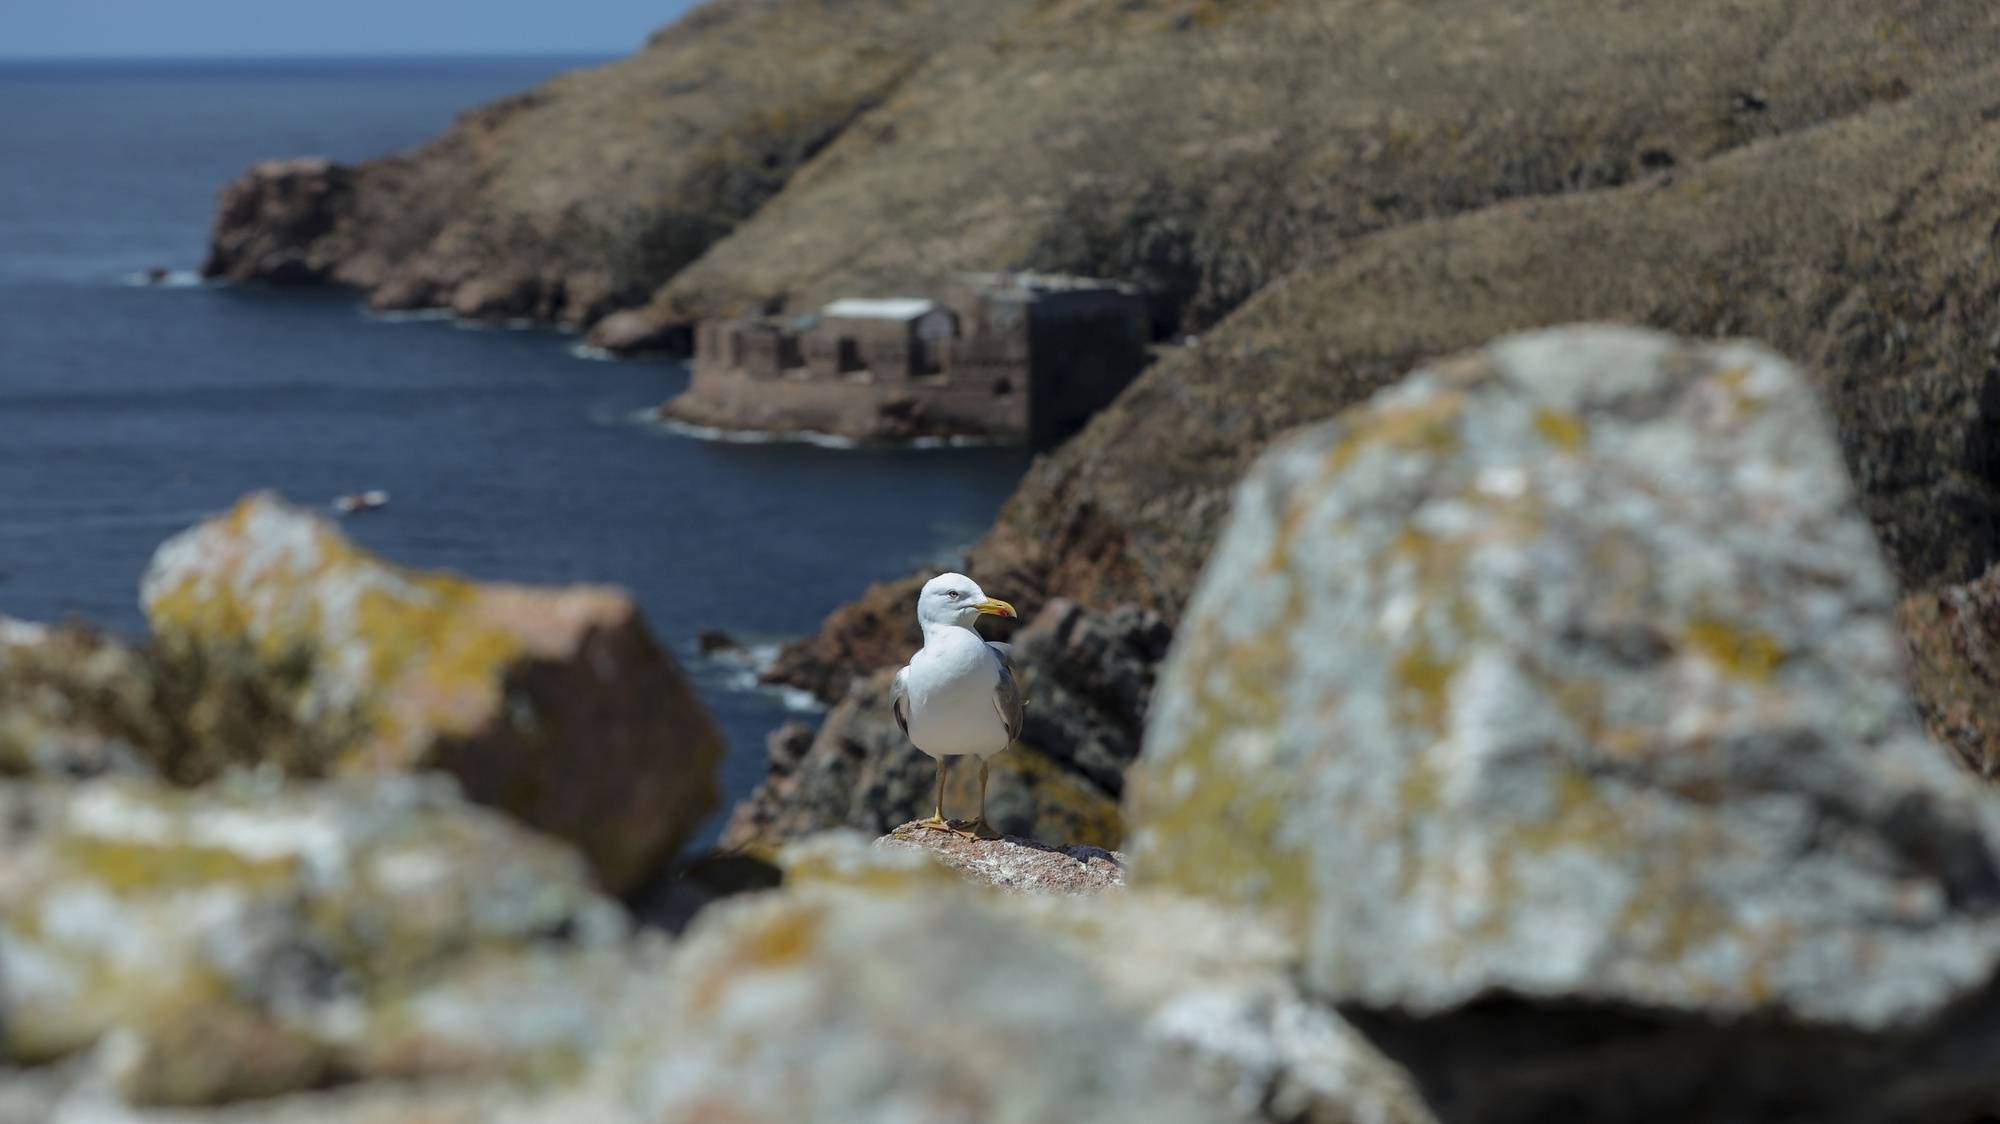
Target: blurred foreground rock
[(555, 705), (875, 986), (75, 703), (1553, 696), (252, 939), (1087, 676)]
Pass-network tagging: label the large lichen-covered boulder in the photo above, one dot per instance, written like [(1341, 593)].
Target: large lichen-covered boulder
[(1553, 695), (831, 1007), (881, 962), (836, 1002), (250, 938), (553, 704)]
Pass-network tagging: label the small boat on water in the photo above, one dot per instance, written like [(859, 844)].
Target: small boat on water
[(361, 501)]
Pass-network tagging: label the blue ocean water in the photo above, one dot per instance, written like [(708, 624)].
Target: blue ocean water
[(128, 412)]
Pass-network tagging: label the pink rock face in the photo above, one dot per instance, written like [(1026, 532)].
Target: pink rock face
[(1013, 863)]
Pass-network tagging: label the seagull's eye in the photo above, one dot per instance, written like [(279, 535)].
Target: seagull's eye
[(953, 594)]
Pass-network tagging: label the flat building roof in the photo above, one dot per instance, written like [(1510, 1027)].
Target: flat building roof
[(892, 308)]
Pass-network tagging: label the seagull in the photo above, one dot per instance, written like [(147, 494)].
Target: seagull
[(957, 694)]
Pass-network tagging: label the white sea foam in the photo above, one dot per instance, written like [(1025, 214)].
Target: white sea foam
[(802, 437), (593, 354), (742, 669), (172, 279), (747, 436)]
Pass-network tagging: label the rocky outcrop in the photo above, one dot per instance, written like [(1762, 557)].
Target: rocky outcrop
[(1954, 640), (270, 224), (1013, 863), (1087, 677), (555, 705), (203, 947), (569, 201), (1553, 696)]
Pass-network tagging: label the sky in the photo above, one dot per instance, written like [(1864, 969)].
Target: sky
[(44, 29)]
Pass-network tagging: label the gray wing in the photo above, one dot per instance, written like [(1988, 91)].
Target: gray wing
[(899, 701), (1007, 696)]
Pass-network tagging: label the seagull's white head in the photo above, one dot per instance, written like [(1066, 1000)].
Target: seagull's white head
[(950, 599)]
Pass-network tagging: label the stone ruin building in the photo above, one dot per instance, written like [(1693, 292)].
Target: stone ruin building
[(1026, 357)]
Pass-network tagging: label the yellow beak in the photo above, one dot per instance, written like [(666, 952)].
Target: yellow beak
[(996, 607)]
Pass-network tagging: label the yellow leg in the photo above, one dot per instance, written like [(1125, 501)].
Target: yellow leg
[(937, 822), (980, 828)]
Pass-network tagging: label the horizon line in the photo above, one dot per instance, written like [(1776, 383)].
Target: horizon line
[(327, 56)]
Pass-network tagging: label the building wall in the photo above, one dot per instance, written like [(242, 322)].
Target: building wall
[(839, 405), (1024, 364), (1085, 346)]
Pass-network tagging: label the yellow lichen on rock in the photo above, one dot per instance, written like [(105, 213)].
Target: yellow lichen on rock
[(554, 704)]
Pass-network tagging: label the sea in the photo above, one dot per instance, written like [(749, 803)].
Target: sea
[(129, 410)]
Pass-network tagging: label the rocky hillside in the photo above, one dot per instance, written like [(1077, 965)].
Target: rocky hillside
[(773, 153), (1863, 244)]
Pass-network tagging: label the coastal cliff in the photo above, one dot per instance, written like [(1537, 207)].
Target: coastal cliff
[(770, 155)]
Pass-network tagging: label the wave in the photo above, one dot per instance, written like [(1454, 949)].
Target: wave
[(168, 279), (680, 428), (592, 354), (742, 669), (745, 436)]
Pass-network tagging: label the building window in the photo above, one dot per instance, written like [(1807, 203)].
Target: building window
[(849, 356), (1002, 387)]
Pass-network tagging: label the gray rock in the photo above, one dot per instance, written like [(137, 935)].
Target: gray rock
[(1553, 696), (251, 939), (839, 1004)]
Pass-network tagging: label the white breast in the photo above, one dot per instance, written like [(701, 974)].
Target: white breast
[(950, 687)]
